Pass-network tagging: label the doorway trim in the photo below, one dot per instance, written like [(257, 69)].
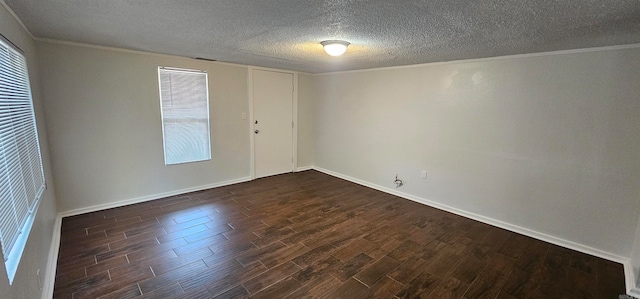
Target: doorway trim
[(294, 117)]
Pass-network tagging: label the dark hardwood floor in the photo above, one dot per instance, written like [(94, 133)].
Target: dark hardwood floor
[(310, 235)]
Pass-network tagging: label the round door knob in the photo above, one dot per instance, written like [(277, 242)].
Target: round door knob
[(256, 131)]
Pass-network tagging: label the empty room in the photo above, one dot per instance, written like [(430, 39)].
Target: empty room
[(427, 149)]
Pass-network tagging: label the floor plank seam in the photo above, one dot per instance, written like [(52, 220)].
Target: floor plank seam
[(360, 281), (318, 221)]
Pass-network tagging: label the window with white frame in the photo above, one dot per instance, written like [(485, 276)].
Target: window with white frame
[(21, 175), (184, 99)]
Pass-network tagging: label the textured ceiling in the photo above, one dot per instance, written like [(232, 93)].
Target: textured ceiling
[(286, 33)]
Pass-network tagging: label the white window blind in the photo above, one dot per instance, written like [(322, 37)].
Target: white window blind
[(21, 175), (184, 98)]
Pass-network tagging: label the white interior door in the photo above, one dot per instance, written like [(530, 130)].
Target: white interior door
[(272, 122)]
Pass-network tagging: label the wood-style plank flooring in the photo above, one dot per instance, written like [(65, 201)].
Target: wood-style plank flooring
[(310, 235)]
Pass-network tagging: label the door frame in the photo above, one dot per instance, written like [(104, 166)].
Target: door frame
[(294, 117)]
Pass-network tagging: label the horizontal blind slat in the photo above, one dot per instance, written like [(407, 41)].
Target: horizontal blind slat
[(21, 174), (185, 115)]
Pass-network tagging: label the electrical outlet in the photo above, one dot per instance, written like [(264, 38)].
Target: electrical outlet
[(244, 115), (424, 175)]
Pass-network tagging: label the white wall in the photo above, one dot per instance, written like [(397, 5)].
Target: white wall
[(550, 143), (103, 113), (25, 284), (305, 120)]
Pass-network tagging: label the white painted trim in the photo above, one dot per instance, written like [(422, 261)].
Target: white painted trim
[(270, 69), (632, 273), (49, 280), (55, 241), (52, 259), (15, 16), (501, 224), (474, 60), (631, 279), (252, 140), (148, 198), (294, 119), (130, 51)]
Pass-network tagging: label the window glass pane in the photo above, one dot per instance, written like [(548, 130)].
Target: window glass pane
[(185, 115), (21, 174)]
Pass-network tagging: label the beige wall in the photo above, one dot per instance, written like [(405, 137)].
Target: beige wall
[(305, 120), (103, 113), (25, 284), (547, 143)]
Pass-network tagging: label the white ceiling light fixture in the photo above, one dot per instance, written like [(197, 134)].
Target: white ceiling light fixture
[(335, 47)]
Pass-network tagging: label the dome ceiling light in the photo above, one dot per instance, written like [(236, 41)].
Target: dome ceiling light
[(335, 47)]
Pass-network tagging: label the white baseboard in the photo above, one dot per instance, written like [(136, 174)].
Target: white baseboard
[(149, 198), (52, 260), (632, 289), (501, 224), (630, 279)]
